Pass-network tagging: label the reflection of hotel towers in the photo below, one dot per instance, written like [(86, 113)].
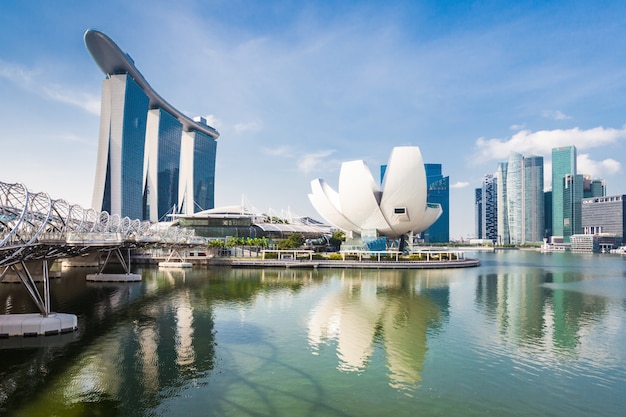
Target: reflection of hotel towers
[(169, 331), (152, 159), (360, 314), (533, 316)]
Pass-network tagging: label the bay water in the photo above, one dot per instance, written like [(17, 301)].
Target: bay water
[(523, 334)]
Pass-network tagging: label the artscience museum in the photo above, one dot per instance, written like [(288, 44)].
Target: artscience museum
[(367, 211)]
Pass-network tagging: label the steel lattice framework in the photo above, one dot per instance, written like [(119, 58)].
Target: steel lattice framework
[(35, 227)]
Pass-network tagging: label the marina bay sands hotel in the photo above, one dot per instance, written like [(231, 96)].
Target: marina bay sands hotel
[(152, 159)]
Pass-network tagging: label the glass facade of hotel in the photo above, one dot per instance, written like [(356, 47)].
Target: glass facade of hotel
[(205, 148), (140, 157), (119, 168)]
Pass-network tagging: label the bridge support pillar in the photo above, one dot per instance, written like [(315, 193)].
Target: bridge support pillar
[(100, 276)]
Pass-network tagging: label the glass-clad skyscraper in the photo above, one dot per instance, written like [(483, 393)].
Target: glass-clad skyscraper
[(140, 151), (478, 212), (534, 203), (438, 192), (520, 200), (563, 163), (503, 216)]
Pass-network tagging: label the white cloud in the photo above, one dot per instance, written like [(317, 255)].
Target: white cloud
[(87, 102), (32, 81), (213, 121), (282, 151), (518, 126), (541, 142), (555, 115), (249, 127), (597, 169), (309, 162), (460, 184)]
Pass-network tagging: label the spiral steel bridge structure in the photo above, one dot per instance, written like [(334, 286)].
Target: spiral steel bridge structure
[(34, 227)]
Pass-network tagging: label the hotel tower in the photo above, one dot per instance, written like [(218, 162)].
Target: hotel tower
[(152, 159)]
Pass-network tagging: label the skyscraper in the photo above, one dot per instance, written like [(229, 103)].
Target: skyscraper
[(572, 206), (534, 203), (146, 145), (593, 187), (438, 192), (478, 212), (563, 163), (503, 216), (490, 208), (515, 197), (521, 201)]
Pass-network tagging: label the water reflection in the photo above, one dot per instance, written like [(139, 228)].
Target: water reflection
[(537, 309), (394, 310)]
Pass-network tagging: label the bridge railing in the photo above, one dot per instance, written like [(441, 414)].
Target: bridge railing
[(29, 219)]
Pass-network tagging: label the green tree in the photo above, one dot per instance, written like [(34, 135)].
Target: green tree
[(295, 240), (336, 239)]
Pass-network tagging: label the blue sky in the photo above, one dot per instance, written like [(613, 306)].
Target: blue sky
[(297, 87)]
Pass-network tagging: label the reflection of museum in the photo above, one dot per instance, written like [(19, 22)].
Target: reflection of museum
[(394, 312)]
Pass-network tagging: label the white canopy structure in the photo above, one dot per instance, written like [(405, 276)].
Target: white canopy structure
[(360, 205)]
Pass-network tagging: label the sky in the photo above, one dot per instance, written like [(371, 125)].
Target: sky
[(295, 88)]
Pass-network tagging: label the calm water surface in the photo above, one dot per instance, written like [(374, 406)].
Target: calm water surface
[(524, 334)]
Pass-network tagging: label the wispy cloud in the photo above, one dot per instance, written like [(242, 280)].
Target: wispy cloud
[(541, 142), (311, 161), (282, 151), (555, 115), (87, 102), (255, 126), (32, 80), (460, 184)]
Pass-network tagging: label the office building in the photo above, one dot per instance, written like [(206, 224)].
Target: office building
[(563, 163), (503, 217), (438, 193), (478, 213), (604, 215), (547, 202), (152, 159), (520, 200), (490, 208), (593, 187), (533, 229), (572, 200)]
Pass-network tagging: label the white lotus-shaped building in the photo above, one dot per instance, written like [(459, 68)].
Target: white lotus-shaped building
[(362, 207)]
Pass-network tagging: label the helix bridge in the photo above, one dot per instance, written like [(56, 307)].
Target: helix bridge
[(36, 229)]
